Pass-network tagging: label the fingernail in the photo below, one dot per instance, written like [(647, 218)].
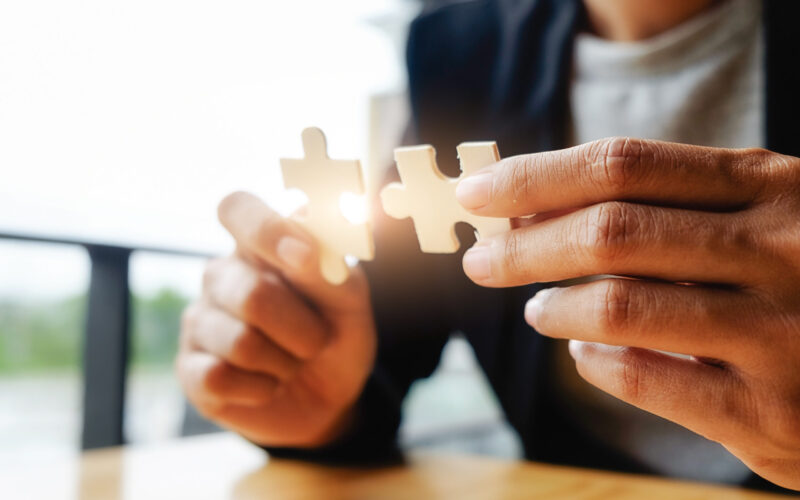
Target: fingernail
[(478, 263), (475, 191), (294, 253), (535, 307)]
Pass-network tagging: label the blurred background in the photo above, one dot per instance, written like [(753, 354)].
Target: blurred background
[(121, 126)]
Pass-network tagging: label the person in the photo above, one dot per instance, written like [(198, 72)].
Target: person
[(688, 219)]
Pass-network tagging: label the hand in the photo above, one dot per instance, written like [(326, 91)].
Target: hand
[(273, 351), (706, 246)]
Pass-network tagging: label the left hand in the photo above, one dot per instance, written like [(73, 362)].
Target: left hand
[(712, 240)]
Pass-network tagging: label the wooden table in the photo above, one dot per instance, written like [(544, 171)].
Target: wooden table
[(222, 466)]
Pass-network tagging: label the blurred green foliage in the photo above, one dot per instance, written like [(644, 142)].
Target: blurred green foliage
[(48, 336), (155, 325)]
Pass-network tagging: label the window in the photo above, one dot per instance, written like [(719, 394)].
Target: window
[(42, 307), (161, 286)]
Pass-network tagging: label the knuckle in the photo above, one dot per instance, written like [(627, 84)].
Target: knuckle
[(752, 172), (211, 271), (632, 374), (246, 347), (307, 345), (736, 237), (310, 349), (615, 309), (515, 261), (789, 166), (764, 165), (209, 410), (614, 162), (518, 180), (215, 379), (261, 291), (608, 232), (190, 317)]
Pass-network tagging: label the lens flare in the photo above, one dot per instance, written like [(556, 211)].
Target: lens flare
[(354, 208)]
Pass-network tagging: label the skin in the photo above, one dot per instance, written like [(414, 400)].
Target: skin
[(261, 352), (706, 246), (631, 20), (275, 353)]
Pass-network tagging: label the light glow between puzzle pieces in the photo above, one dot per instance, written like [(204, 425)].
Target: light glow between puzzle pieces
[(354, 208), (324, 180)]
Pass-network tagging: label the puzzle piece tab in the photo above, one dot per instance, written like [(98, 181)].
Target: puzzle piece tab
[(324, 180), (429, 197)]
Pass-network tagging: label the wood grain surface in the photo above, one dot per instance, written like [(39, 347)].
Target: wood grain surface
[(223, 466)]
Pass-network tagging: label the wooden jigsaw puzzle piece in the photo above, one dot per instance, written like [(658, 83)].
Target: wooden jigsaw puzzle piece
[(428, 196), (420, 196), (323, 180), (472, 157)]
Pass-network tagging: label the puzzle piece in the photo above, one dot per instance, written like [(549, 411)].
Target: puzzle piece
[(429, 197), (324, 180)]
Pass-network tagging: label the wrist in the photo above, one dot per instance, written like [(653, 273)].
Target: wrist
[(339, 426)]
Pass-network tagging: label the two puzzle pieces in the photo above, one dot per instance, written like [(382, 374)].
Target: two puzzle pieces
[(424, 194)]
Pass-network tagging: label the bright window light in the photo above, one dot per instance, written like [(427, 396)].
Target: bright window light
[(354, 208)]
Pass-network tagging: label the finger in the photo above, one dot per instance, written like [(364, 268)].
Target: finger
[(262, 232), (261, 298), (622, 169), (258, 425), (210, 380), (218, 333), (283, 245), (695, 395), (619, 239), (711, 322)]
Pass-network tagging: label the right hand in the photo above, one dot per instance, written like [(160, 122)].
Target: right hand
[(271, 350)]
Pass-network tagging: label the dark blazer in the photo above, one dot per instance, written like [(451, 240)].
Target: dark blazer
[(499, 70)]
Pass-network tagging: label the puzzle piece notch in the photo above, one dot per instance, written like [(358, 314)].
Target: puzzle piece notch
[(323, 180), (429, 197)]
